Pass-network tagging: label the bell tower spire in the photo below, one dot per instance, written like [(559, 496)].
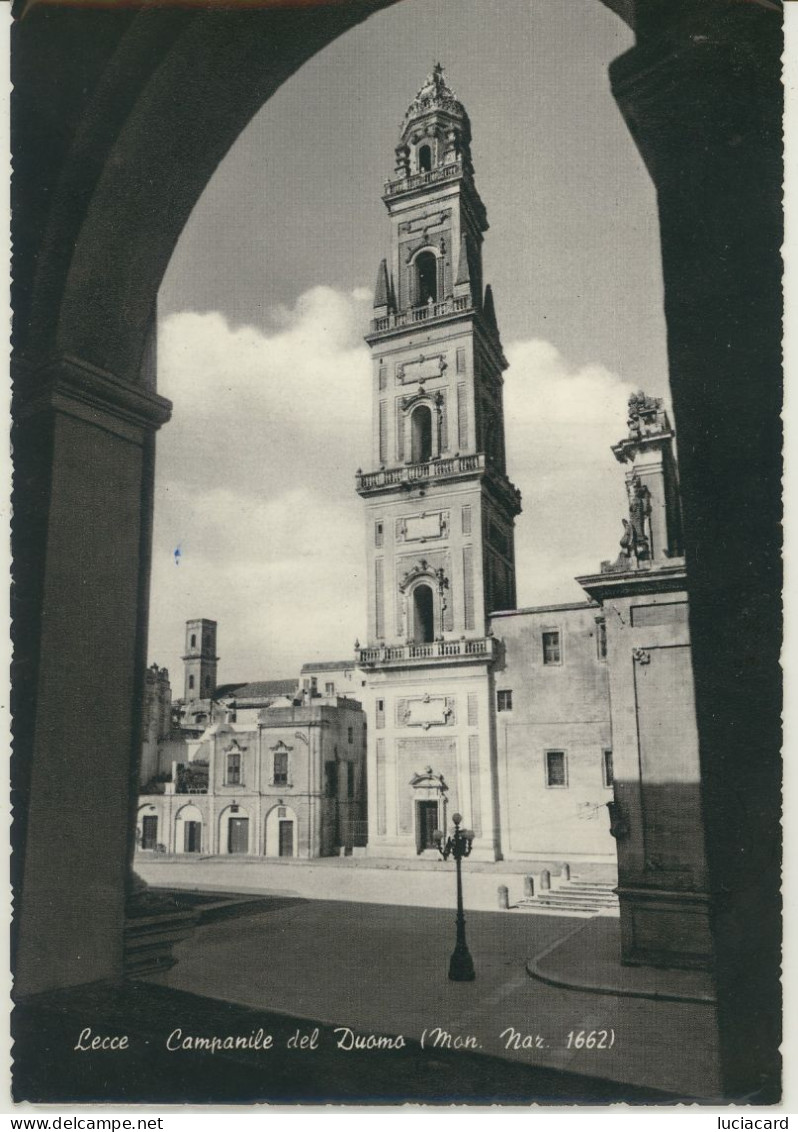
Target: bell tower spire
[(439, 504)]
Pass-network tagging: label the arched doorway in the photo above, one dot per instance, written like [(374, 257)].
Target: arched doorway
[(188, 830), (424, 159), (234, 831), (148, 828), (421, 434), (423, 614)]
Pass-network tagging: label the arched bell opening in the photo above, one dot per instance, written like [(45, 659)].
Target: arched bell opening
[(421, 434), (423, 615), (424, 159), (426, 278)]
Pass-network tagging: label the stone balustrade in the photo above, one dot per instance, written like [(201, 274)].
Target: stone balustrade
[(425, 313), (465, 648), (419, 180)]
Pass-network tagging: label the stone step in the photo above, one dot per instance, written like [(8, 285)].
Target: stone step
[(575, 882), (583, 905), (564, 893), (150, 939)]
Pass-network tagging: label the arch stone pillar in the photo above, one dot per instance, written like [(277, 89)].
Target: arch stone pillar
[(84, 445), (701, 95)]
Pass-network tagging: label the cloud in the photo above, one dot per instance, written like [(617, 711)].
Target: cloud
[(560, 422), (255, 481)]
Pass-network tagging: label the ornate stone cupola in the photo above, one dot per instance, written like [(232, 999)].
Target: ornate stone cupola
[(436, 131)]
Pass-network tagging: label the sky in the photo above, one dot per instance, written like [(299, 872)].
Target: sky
[(267, 297)]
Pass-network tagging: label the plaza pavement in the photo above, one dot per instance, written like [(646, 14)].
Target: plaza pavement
[(424, 883), (382, 969)]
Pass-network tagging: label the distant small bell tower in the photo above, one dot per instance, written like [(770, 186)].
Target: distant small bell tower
[(200, 659)]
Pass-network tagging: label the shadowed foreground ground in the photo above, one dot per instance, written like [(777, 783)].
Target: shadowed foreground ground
[(292, 965)]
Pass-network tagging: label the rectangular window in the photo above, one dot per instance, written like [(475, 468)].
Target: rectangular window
[(556, 769), (383, 377), (350, 779), (191, 683), (461, 359), (350, 734), (504, 701), (330, 780), (606, 769), (280, 768), (329, 689), (378, 533), (466, 519), (552, 654), (233, 769), (380, 713), (601, 638)]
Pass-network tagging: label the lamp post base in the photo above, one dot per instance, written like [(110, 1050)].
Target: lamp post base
[(461, 965)]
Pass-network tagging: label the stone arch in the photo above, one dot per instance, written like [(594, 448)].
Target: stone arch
[(422, 431), (426, 277), (422, 617)]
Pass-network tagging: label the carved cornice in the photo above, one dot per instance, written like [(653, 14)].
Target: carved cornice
[(71, 385)]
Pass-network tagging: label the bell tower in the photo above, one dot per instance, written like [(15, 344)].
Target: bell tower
[(200, 660), (440, 508)]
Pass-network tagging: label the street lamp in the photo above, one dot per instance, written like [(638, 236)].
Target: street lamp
[(461, 965)]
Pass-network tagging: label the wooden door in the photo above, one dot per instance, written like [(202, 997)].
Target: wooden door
[(192, 837), (238, 835), (149, 832), (286, 839)]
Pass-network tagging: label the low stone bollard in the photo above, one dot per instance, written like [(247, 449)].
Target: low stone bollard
[(545, 880), (529, 886), (504, 896), (565, 872)]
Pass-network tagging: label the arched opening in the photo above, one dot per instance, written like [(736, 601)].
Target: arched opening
[(426, 278), (188, 830), (234, 831), (424, 159), (423, 615), (421, 434)]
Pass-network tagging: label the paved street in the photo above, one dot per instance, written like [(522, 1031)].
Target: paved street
[(428, 884), (383, 969)]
